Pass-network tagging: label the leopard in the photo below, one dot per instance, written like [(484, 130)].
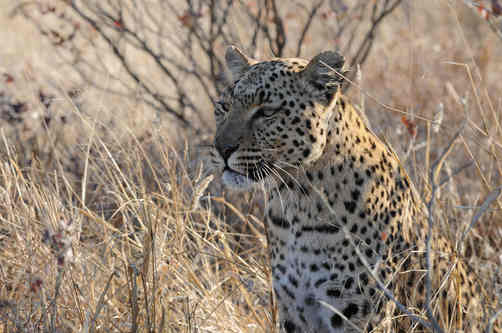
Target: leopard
[(347, 231)]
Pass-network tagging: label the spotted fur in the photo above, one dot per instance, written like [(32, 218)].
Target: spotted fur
[(340, 205)]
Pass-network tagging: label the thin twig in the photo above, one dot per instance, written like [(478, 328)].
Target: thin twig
[(367, 43), (133, 296), (482, 209), (59, 279), (307, 26), (101, 303), (279, 42), (448, 178), (132, 74)]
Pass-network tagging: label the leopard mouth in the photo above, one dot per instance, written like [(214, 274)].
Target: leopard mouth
[(252, 176)]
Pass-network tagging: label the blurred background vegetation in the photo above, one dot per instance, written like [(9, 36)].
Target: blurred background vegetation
[(109, 220)]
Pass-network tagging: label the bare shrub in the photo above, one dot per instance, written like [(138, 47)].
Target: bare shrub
[(168, 55)]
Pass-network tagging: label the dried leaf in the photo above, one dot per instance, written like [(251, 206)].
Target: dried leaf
[(8, 78), (410, 126)]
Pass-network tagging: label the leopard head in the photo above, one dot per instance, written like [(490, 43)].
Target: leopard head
[(274, 117)]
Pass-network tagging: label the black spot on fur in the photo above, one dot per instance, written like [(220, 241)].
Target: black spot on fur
[(289, 327), (319, 282), (288, 292), (350, 206), (309, 176), (366, 309), (333, 293), (336, 321), (350, 310), (293, 281), (310, 300), (363, 277), (281, 268), (327, 229), (279, 222)]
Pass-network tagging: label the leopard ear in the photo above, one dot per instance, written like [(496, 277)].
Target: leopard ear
[(324, 70), (237, 62)]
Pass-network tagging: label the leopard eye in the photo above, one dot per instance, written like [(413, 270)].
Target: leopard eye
[(221, 105), (220, 108), (266, 112)]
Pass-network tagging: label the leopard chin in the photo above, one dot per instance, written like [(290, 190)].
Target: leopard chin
[(238, 181)]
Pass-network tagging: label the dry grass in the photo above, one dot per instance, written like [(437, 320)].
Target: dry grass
[(109, 224), (156, 256)]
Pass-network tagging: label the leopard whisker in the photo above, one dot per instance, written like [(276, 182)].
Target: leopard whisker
[(275, 173), (289, 165), (300, 186)]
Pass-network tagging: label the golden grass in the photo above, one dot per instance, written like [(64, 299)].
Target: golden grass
[(111, 228), (155, 256)]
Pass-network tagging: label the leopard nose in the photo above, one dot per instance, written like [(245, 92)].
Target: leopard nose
[(226, 149)]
